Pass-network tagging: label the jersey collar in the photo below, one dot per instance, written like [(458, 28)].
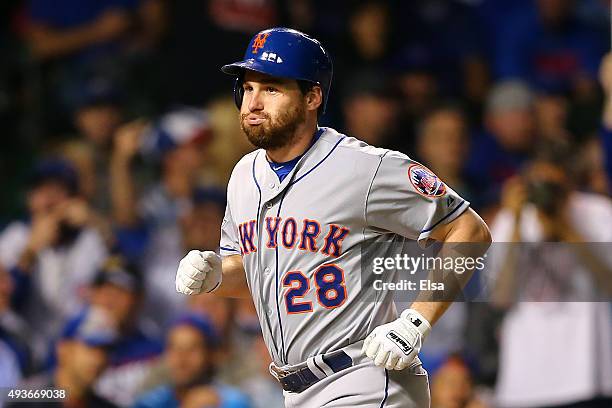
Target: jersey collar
[(325, 141)]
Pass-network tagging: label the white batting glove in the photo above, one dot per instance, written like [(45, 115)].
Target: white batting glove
[(198, 272), (395, 345)]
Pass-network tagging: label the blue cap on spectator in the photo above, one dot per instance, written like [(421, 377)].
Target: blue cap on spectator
[(176, 128), (95, 91), (367, 82), (54, 170), (204, 195), (202, 324), (414, 58), (93, 327), (118, 273)]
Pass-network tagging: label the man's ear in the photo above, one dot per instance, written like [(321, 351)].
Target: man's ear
[(314, 98)]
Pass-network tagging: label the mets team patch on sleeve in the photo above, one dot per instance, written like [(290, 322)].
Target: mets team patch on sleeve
[(425, 182)]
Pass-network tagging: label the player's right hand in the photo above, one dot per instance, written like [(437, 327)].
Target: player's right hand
[(198, 272)]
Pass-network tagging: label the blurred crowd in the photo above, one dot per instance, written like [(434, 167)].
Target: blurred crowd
[(120, 133)]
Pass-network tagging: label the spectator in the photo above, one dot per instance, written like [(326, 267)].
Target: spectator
[(12, 345), (550, 48), (443, 145), (118, 290), (369, 109), (365, 43), (452, 386), (55, 254), (552, 290), (240, 331), (418, 90), (14, 331), (147, 216), (97, 112), (605, 77), (226, 26), (82, 356), (551, 116), (260, 386), (97, 115), (370, 34), (221, 313), (198, 228), (508, 139), (78, 40), (189, 355), (453, 56), (177, 142), (10, 374)]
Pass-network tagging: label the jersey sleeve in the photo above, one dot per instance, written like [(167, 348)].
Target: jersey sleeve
[(229, 244), (408, 199)]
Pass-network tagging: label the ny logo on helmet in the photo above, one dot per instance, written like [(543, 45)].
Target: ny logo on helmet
[(259, 42)]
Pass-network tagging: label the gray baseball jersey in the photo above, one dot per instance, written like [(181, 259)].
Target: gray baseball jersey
[(301, 239)]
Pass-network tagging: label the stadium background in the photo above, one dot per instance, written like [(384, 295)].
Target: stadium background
[(119, 133)]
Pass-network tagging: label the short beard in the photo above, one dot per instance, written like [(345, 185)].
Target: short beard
[(275, 134)]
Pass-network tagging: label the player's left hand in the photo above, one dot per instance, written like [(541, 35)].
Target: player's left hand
[(395, 345)]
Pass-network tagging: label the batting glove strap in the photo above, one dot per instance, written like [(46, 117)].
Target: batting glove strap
[(417, 320)]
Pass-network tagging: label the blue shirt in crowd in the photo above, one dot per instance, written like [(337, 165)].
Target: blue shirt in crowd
[(163, 397)]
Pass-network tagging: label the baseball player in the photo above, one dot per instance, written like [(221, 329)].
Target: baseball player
[(299, 211)]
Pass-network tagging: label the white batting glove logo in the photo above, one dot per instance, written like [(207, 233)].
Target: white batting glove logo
[(198, 272), (395, 345)]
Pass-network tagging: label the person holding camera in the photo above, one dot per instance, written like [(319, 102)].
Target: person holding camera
[(551, 271), (54, 254)]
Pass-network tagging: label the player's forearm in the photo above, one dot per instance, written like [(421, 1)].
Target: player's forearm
[(234, 282), (468, 229)]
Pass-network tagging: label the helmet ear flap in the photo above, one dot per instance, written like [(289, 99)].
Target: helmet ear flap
[(238, 92)]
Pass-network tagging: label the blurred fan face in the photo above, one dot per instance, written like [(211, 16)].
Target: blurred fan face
[(442, 142), (369, 117), (84, 363), (418, 90), (187, 356), (555, 11), (272, 110), (369, 29), (451, 386), (513, 128), (219, 310), (547, 187), (97, 123), (47, 197), (186, 158), (202, 227), (118, 302), (6, 288)]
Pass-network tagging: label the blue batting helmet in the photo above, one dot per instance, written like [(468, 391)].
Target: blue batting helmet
[(285, 53)]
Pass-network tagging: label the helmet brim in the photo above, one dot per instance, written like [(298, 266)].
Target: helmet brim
[(237, 68)]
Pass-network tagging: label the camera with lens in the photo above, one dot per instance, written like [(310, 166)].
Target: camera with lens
[(548, 196)]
